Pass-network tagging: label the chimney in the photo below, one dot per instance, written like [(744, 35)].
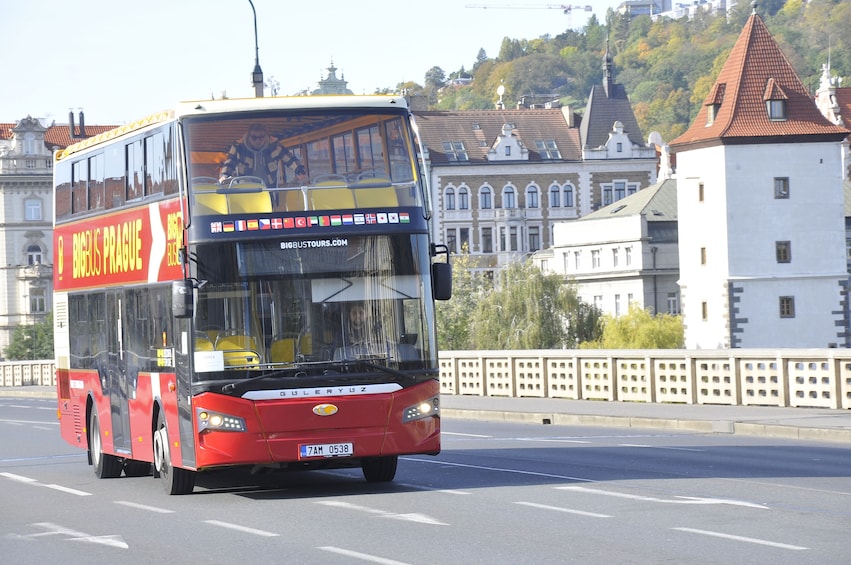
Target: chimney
[(81, 134)]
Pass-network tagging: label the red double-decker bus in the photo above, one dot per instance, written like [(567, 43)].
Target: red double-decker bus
[(217, 306)]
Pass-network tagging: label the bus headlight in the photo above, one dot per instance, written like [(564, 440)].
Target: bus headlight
[(208, 420), (427, 409)]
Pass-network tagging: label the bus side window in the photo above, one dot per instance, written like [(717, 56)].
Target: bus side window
[(63, 189), (79, 186), (134, 170)]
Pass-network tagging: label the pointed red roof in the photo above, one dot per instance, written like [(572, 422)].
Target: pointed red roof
[(755, 72)]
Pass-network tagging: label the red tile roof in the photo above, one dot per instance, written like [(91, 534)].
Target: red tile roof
[(57, 135), (478, 129), (756, 71)]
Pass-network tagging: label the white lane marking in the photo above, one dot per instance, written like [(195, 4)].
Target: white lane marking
[(429, 489), (73, 535), (361, 556), (462, 435), (68, 490), (18, 478), (244, 529), (560, 509), (742, 538), (552, 440), (499, 469), (144, 507), (42, 428), (35, 422), (661, 447), (677, 500), (409, 517)]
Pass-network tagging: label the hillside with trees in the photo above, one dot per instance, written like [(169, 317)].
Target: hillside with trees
[(667, 66)]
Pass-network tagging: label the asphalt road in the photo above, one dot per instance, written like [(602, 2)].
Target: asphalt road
[(498, 493)]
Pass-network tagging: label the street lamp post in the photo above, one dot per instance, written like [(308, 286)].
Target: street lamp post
[(257, 74)]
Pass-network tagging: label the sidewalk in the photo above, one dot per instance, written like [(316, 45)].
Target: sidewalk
[(815, 424)]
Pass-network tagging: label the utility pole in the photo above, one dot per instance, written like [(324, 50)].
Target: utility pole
[(257, 73)]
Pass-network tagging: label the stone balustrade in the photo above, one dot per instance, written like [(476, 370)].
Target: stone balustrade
[(816, 378)]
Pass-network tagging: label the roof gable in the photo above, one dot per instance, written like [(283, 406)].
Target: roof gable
[(478, 130), (656, 203), (735, 111)]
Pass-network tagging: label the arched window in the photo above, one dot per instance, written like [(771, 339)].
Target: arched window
[(463, 199), (34, 255), (509, 199), (567, 192), (485, 198), (449, 199), (555, 196), (532, 200)]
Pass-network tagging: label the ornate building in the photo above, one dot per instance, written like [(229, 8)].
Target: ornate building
[(502, 179), (26, 220)]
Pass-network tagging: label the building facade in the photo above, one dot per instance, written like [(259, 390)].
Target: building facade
[(502, 179), (625, 253), (26, 220), (760, 201)]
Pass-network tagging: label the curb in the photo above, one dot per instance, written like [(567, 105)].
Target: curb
[(700, 426)]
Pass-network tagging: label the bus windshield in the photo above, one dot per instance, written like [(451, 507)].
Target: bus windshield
[(272, 304), (294, 160)]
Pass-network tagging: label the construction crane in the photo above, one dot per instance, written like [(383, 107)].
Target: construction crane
[(566, 8)]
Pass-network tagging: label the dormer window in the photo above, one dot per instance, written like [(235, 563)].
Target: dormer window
[(455, 151), (547, 149), (713, 102), (712, 113), (775, 100), (776, 109)]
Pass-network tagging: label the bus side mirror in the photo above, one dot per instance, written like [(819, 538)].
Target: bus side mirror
[(441, 274), (182, 299)]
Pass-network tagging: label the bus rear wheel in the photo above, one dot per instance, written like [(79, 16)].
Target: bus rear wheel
[(106, 466), (379, 469), (173, 480)]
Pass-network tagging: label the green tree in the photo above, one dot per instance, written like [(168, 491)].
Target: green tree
[(435, 77), (640, 329), (453, 316), (33, 341), (529, 309)]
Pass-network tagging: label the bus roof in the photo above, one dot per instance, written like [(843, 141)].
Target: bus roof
[(235, 105)]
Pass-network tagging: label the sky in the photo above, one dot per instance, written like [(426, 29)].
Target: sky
[(121, 60)]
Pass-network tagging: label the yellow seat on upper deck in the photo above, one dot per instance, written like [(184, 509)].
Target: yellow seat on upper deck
[(250, 203), (210, 203)]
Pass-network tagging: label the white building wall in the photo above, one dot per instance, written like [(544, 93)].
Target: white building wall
[(702, 225), (736, 229), (608, 286)]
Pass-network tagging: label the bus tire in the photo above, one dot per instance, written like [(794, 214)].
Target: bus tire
[(106, 466), (173, 480), (379, 469)]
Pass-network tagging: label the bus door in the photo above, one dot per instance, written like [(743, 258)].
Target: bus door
[(116, 378)]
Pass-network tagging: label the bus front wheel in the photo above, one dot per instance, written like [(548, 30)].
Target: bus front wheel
[(379, 469), (106, 466), (174, 480)]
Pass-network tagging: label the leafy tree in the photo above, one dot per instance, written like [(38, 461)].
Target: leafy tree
[(639, 329), (32, 341), (435, 77), (481, 58), (529, 309), (453, 316)]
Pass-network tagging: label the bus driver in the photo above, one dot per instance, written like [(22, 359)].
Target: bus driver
[(260, 155)]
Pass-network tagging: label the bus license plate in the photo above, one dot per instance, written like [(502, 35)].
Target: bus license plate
[(325, 450)]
